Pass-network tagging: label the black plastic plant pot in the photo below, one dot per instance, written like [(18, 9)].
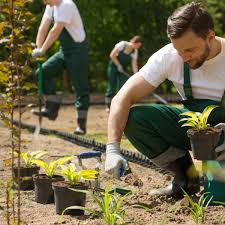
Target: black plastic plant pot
[(43, 188), (203, 143), (65, 197), (26, 180), (25, 171), (26, 183)]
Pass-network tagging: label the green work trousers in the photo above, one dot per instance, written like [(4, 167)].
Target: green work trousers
[(75, 61), (153, 128), (115, 81)]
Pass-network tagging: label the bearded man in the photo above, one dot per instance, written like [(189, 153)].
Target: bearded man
[(195, 62)]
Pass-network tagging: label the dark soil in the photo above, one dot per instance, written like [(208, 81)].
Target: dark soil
[(158, 210), (208, 131)]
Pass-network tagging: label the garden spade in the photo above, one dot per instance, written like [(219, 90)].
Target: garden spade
[(40, 86), (162, 100)]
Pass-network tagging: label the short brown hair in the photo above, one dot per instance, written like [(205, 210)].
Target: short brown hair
[(190, 17), (136, 39)]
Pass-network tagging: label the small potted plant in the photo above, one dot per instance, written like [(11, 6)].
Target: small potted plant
[(111, 206), (203, 137), (28, 169), (64, 196), (43, 182)]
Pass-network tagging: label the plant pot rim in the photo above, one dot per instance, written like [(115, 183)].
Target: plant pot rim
[(24, 178), (45, 177), (203, 130), (26, 167), (66, 184)]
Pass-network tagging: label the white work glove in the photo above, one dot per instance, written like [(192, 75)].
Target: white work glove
[(120, 68), (221, 148), (37, 53), (114, 163)]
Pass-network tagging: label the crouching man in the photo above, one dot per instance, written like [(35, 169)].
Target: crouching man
[(194, 62)]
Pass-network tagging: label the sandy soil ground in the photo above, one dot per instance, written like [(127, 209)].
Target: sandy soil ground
[(161, 210)]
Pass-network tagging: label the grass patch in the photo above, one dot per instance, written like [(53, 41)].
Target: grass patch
[(100, 136)]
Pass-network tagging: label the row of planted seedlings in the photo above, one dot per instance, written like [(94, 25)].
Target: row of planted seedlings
[(69, 188), (15, 71), (56, 182), (66, 185)]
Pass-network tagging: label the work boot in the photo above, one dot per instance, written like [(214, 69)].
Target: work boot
[(50, 110), (185, 177), (81, 126), (81, 122), (108, 107), (108, 103)]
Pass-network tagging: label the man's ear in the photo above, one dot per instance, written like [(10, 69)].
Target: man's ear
[(211, 36)]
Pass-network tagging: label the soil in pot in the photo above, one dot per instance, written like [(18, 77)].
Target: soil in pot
[(65, 197), (203, 142), (26, 180), (43, 188)]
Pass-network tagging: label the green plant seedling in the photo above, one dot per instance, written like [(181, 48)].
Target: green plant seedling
[(28, 157), (51, 168), (73, 176), (110, 206), (142, 206), (196, 119), (197, 209)]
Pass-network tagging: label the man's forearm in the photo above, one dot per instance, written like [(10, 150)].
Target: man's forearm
[(40, 38), (119, 112), (43, 31), (135, 69), (132, 91), (115, 61), (135, 66), (51, 38)]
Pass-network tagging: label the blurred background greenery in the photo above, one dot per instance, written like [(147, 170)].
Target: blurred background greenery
[(108, 22)]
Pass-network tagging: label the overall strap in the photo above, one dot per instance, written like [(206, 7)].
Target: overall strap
[(223, 97), (223, 100), (125, 48), (187, 82), (53, 14)]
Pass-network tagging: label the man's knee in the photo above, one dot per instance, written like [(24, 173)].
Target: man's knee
[(141, 115)]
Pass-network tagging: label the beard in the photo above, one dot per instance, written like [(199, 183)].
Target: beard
[(195, 64)]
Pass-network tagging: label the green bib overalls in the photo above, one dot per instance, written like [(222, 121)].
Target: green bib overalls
[(153, 128), (116, 79), (72, 56)]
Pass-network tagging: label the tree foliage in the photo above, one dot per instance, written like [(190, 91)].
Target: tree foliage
[(15, 22), (108, 22)]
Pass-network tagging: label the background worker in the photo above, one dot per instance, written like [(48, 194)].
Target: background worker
[(72, 56), (124, 54), (194, 62)]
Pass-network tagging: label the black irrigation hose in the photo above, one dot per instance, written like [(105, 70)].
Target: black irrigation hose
[(134, 157), (170, 98)]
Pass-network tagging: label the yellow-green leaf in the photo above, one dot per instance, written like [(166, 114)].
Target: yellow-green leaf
[(206, 112), (189, 124), (188, 113)]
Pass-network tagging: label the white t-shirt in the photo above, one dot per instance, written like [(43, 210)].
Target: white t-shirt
[(122, 44), (67, 13), (207, 82)]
